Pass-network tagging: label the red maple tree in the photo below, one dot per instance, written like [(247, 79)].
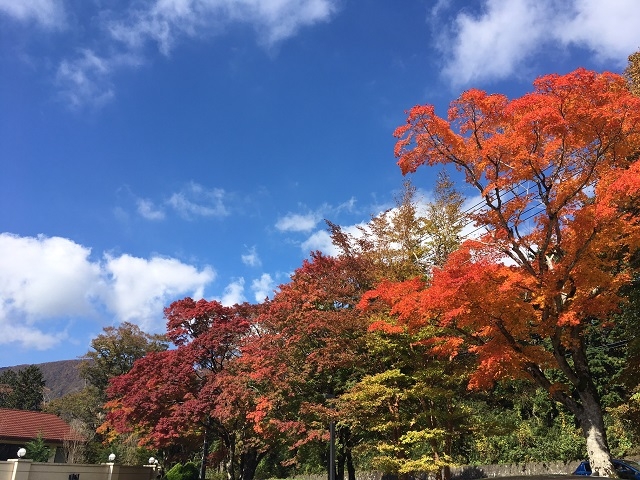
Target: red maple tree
[(558, 176), (194, 392), (309, 348)]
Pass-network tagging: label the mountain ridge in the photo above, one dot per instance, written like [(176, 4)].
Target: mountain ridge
[(60, 377)]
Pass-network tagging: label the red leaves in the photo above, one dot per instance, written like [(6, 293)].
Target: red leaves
[(176, 394)]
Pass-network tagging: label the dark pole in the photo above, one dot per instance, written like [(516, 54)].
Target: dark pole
[(332, 450)]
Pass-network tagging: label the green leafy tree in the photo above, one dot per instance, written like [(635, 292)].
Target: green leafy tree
[(624, 415), (22, 390), (518, 423), (114, 352)]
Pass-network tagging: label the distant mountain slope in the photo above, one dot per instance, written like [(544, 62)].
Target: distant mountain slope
[(60, 377)]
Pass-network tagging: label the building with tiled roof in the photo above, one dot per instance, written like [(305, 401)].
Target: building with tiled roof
[(18, 427)]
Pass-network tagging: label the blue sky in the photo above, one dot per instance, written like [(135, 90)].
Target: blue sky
[(157, 149)]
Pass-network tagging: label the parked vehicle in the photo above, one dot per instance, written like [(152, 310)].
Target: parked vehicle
[(627, 469)]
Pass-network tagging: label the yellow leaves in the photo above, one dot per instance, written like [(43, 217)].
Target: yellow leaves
[(424, 464), (398, 458), (632, 73)]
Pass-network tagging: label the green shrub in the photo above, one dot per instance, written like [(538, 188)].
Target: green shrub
[(37, 450), (188, 471)]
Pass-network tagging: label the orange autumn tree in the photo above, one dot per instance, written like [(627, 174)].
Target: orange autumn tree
[(558, 175)]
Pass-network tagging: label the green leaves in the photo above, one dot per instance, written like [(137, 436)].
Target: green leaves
[(37, 449)]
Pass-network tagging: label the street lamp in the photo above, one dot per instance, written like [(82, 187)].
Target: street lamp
[(112, 457), (22, 452)]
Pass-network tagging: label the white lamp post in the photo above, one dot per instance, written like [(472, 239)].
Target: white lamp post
[(22, 452), (112, 457)]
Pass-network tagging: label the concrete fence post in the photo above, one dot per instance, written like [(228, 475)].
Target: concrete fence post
[(110, 471), (21, 469)]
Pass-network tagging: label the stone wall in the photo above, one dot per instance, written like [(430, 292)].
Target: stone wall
[(512, 470), (474, 472)]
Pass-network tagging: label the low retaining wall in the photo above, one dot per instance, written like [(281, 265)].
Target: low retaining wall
[(29, 470), (475, 472), (512, 470)]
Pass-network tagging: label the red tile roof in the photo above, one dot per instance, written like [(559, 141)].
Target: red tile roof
[(25, 425)]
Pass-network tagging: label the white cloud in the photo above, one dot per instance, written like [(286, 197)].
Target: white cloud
[(196, 201), (86, 79), (348, 206), (610, 29), (263, 287), (167, 22), (295, 222), (44, 280), (233, 293), (29, 337), (192, 201), (503, 38), (251, 258), (148, 210), (141, 288), (320, 240), (46, 277), (47, 13), (277, 20), (495, 43)]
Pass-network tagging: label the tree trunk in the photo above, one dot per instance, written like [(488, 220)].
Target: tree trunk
[(587, 410), (231, 455), (345, 458), (341, 454), (351, 469), (595, 434), (249, 460), (587, 407)]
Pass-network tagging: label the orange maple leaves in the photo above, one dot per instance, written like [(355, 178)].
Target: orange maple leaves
[(558, 173)]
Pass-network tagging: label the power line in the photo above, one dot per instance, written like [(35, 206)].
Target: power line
[(473, 210)]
